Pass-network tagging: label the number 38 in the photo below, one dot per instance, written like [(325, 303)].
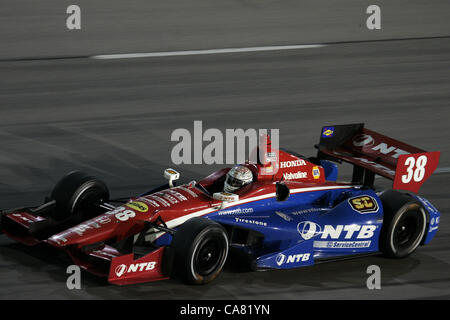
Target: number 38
[(415, 170)]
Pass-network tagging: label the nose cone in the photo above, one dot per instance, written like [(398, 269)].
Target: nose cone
[(97, 229), (120, 222)]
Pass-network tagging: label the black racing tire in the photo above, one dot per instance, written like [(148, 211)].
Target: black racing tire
[(404, 224), (200, 249), (78, 192)]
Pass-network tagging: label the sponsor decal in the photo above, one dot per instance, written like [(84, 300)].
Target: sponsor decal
[(316, 172), (235, 211), (161, 200), (293, 163), (94, 223), (430, 208), (192, 193), (342, 244), (361, 140), (138, 206), (292, 258), (122, 214), (308, 229), (59, 239), (310, 210), (327, 132), (363, 204), (283, 216), (362, 231), (134, 267), (268, 169), (151, 202), (367, 141), (171, 199), (295, 175), (271, 156), (120, 270), (255, 222), (434, 224), (280, 259), (178, 195), (22, 217)]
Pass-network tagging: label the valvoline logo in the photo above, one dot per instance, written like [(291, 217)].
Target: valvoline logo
[(327, 132)]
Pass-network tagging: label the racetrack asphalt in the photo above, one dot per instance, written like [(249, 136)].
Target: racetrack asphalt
[(114, 118)]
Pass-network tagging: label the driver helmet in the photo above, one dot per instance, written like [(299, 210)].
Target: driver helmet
[(237, 177)]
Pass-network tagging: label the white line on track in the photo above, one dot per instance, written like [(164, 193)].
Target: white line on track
[(206, 51), (442, 170)]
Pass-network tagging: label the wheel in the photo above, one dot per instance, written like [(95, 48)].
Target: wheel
[(77, 192), (200, 249), (404, 224)]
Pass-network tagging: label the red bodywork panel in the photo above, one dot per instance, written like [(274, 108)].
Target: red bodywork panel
[(126, 270), (414, 169), (22, 220)]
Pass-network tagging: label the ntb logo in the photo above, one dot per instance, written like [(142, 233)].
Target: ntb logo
[(292, 258)]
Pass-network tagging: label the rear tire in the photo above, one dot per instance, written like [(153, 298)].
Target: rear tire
[(78, 192), (200, 249), (404, 224)]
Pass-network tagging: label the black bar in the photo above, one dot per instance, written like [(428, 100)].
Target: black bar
[(358, 174)]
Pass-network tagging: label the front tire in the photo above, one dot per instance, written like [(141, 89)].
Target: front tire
[(404, 224), (200, 249), (78, 193)]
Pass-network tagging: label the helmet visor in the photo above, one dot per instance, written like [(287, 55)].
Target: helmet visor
[(236, 183)]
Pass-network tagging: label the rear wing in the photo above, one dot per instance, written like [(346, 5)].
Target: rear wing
[(373, 153)]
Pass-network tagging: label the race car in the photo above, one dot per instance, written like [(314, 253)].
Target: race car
[(281, 211)]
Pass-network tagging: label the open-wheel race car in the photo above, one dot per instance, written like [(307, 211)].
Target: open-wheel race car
[(289, 212)]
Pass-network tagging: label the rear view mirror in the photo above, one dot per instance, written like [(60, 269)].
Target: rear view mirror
[(171, 175), (282, 191)]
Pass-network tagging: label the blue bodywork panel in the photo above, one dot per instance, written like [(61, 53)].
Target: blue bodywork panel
[(311, 225), (433, 218), (307, 226)]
